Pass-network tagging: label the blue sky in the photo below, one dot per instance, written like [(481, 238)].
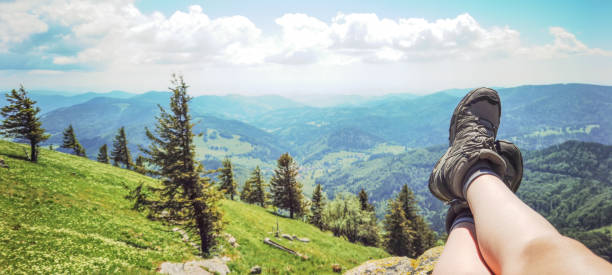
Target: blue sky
[(302, 47)]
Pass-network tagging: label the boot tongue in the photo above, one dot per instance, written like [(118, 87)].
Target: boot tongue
[(487, 114)]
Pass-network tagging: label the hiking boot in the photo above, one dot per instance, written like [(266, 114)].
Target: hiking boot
[(472, 133), (456, 211), (514, 163)]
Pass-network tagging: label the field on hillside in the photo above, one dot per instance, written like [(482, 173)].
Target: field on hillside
[(68, 214)]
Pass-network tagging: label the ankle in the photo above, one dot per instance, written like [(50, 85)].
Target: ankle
[(482, 167)]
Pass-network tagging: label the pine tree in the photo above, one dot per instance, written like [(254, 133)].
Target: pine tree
[(245, 195), (189, 199), (70, 141), (139, 166), (363, 200), (316, 208), (121, 152), (258, 188), (103, 154), (226, 175), (21, 121), (286, 190), (424, 236), (398, 234)]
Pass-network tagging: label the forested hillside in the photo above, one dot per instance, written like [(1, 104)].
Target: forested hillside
[(569, 184)]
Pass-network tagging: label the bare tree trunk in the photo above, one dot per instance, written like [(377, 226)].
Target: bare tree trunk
[(33, 152)]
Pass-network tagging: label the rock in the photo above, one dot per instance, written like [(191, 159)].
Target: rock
[(287, 236), (336, 268), (424, 264), (391, 265), (304, 240), (201, 267), (427, 261), (255, 270)]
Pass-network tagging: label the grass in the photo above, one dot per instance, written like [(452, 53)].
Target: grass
[(250, 224), (68, 214)]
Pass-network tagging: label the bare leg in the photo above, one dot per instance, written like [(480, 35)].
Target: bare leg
[(461, 254), (514, 239)]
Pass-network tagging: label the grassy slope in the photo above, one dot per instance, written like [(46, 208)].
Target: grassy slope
[(68, 215), (250, 224)]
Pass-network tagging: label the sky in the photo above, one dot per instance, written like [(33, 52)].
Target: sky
[(296, 48)]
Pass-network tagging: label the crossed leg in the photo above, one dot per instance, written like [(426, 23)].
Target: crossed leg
[(461, 254), (514, 239)]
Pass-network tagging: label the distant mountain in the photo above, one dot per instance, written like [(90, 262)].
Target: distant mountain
[(96, 122), (51, 100), (532, 116)]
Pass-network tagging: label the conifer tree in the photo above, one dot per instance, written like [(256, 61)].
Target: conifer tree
[(424, 236), (21, 121), (258, 188), (317, 206), (71, 142), (398, 236), (103, 154), (226, 175), (286, 190), (121, 152), (188, 198), (139, 166), (363, 200), (247, 192)]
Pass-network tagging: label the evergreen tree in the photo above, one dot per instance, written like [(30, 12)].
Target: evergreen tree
[(424, 236), (398, 236), (247, 192), (258, 188), (190, 200), (139, 166), (71, 142), (121, 152), (286, 190), (21, 121), (226, 175), (103, 154), (316, 208), (363, 200)]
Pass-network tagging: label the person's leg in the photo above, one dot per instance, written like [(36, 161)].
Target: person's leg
[(514, 239), (461, 254)]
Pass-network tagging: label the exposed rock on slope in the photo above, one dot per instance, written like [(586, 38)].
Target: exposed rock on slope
[(400, 265)]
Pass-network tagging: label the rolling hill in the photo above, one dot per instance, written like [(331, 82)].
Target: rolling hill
[(68, 214)]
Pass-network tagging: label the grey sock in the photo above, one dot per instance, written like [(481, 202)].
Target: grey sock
[(461, 219), (481, 168)]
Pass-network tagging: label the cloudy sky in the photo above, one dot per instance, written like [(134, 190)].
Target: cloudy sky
[(305, 47)]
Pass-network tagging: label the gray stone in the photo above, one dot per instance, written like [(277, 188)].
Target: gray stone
[(287, 236), (201, 267), (304, 240), (255, 270)]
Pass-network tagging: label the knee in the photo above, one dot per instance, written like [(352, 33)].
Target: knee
[(538, 254)]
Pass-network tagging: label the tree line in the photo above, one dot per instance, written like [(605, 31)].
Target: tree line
[(188, 197)]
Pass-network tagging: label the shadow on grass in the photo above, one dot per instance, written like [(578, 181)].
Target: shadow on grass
[(15, 156)]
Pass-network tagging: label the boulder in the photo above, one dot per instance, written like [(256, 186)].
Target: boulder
[(391, 265), (200, 267), (304, 240), (255, 270), (427, 261), (287, 236), (424, 264)]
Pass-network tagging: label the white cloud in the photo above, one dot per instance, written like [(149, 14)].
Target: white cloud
[(17, 23), (356, 51)]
